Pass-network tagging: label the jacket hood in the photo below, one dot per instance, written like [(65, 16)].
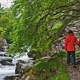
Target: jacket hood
[(70, 34)]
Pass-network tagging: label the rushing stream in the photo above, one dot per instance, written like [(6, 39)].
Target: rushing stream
[(7, 70)]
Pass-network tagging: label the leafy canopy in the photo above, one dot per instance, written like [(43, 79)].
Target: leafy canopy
[(35, 21)]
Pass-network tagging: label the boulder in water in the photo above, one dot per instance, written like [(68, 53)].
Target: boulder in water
[(21, 67), (13, 77), (5, 60)]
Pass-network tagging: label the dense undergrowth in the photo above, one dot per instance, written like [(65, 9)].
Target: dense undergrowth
[(53, 71), (45, 70), (50, 69)]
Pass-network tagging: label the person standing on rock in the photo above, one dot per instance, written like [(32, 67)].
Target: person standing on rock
[(70, 47)]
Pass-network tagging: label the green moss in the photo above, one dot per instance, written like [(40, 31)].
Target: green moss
[(28, 69), (37, 55), (51, 71), (1, 43), (35, 71), (43, 64), (60, 54), (79, 33), (61, 74)]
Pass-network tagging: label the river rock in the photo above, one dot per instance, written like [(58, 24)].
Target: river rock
[(29, 76), (7, 63), (3, 53), (32, 77), (21, 67), (6, 60), (3, 44), (13, 77), (78, 59), (1, 48), (33, 54), (30, 54), (4, 48)]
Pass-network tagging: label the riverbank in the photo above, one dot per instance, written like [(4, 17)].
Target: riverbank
[(54, 68), (48, 68)]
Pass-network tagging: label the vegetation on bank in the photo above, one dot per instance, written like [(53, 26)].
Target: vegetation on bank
[(49, 68), (52, 71)]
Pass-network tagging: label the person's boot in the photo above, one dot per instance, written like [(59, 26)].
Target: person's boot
[(74, 66), (68, 64)]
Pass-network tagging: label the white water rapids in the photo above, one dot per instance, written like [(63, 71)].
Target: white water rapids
[(7, 70)]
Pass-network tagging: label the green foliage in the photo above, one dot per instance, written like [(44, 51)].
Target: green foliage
[(2, 32), (1, 10), (79, 33), (62, 74), (43, 64), (77, 53), (37, 55), (60, 54), (34, 22), (6, 24), (57, 25), (28, 69), (55, 70)]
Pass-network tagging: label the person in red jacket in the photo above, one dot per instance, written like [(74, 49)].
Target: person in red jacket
[(70, 46)]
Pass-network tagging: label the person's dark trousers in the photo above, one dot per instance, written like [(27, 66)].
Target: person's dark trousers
[(73, 57)]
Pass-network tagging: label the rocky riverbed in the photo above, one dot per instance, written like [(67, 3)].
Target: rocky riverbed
[(8, 66)]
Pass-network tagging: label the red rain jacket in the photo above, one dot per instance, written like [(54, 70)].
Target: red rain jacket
[(69, 42)]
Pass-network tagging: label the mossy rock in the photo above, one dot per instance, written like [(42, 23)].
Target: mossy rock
[(42, 74), (3, 42), (28, 69), (52, 59), (44, 70), (79, 33)]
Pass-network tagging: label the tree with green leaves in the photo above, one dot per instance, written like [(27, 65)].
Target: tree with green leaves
[(40, 22), (1, 10), (6, 24)]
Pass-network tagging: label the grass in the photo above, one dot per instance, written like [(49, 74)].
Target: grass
[(63, 54), (60, 70), (62, 74), (43, 64), (52, 69), (77, 53), (60, 54)]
